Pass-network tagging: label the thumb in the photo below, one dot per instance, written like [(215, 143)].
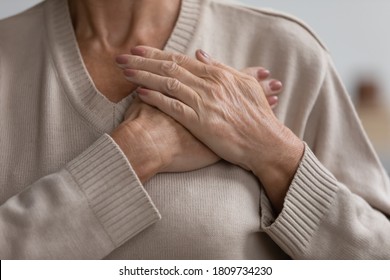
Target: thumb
[(204, 57)]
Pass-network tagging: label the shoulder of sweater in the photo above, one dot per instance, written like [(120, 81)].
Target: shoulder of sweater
[(281, 24), (21, 24)]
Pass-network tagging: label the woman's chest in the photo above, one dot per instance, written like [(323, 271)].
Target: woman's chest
[(211, 213)]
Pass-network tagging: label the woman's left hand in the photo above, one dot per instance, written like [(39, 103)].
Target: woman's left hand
[(224, 108)]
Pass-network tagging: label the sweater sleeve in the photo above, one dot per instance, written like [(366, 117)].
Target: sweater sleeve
[(84, 211), (338, 204)]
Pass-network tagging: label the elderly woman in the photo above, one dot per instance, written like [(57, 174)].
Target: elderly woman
[(197, 166)]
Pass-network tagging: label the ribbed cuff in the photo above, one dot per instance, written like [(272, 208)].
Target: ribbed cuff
[(113, 190), (310, 195)]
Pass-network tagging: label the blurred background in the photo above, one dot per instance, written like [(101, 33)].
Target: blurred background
[(355, 32)]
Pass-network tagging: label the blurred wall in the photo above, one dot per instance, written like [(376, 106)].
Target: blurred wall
[(10, 7), (355, 32)]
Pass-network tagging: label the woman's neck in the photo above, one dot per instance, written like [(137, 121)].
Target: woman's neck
[(123, 23), (105, 29)]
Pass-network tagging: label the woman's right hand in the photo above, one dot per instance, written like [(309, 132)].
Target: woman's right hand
[(154, 143)]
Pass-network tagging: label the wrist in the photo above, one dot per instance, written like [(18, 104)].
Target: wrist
[(279, 165), (136, 145)]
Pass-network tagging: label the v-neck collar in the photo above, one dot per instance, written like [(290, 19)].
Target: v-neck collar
[(82, 93)]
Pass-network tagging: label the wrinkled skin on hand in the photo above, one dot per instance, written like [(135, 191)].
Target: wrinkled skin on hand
[(154, 136), (174, 144), (225, 109)]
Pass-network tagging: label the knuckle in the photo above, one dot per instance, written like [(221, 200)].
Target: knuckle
[(151, 52), (177, 107), (169, 67), (223, 75), (179, 59), (216, 90), (211, 71), (136, 60), (219, 79), (144, 75), (207, 70), (172, 84)]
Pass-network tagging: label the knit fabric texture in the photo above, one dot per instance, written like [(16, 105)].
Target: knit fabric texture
[(68, 192)]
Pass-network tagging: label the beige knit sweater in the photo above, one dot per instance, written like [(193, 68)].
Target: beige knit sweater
[(67, 191)]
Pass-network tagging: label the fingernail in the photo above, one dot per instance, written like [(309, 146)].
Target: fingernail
[(275, 85), (129, 72), (140, 51), (205, 54), (263, 74), (273, 100), (121, 59)]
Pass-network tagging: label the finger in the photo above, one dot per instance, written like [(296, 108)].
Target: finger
[(164, 68), (273, 101), (272, 89), (192, 65), (170, 106), (275, 85), (204, 57), (166, 85), (259, 73), (131, 110)]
